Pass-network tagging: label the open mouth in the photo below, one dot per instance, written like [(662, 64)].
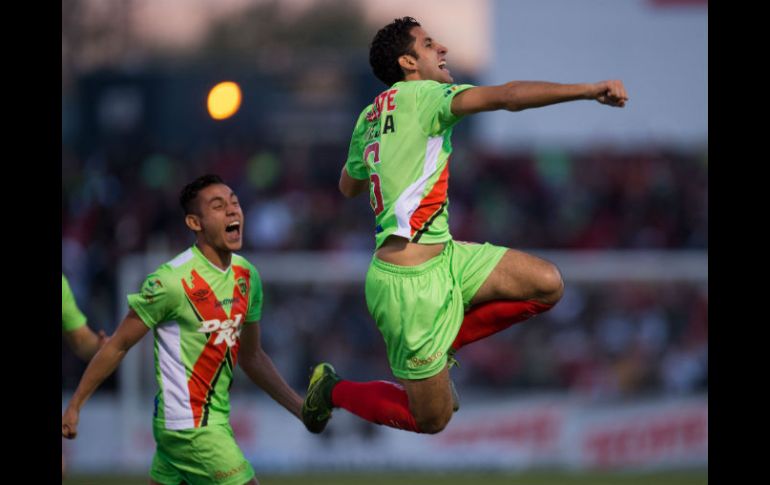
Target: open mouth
[(233, 230), (442, 66)]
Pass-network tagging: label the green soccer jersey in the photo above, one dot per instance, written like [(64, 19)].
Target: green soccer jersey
[(71, 316), (401, 143), (196, 311)]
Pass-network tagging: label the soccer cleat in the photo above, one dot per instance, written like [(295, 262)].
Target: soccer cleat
[(317, 407), (451, 359)]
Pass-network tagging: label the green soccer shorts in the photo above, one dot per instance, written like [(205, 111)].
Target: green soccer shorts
[(198, 456), (419, 309)]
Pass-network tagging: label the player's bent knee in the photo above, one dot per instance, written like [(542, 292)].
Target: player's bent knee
[(551, 284), (433, 424)]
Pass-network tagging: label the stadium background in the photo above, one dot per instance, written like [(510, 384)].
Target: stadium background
[(615, 378)]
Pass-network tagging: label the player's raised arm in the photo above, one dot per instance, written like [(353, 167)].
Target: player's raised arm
[(103, 364), (259, 367), (521, 95)]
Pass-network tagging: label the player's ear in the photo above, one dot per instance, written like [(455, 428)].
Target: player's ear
[(407, 62), (193, 222)]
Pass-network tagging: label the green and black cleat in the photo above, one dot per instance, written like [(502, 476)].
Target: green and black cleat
[(451, 359), (317, 407)]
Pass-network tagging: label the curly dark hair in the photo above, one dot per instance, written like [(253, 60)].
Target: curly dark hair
[(190, 192), (390, 43)]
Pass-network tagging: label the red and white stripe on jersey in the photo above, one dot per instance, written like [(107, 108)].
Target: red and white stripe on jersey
[(176, 396), (185, 401), (411, 208)]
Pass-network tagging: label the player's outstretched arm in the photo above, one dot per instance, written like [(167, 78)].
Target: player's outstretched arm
[(104, 363), (351, 187), (84, 342), (260, 369), (521, 95)]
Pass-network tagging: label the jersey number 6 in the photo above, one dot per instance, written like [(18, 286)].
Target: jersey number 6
[(375, 198)]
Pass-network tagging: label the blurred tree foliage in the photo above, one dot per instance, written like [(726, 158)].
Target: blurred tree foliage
[(267, 33)]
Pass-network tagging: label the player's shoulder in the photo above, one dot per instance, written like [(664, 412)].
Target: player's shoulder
[(179, 264), (364, 114), (420, 85), (419, 90), (240, 260)]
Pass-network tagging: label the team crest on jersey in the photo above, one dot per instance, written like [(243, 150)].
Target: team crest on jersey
[(148, 292), (242, 285), (228, 331)]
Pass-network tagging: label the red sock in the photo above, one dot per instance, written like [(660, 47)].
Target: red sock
[(487, 318), (379, 402)]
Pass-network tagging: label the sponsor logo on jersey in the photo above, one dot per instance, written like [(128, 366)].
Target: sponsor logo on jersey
[(201, 294), (451, 90), (227, 302), (228, 331)]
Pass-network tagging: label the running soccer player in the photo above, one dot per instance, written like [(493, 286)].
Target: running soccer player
[(203, 308), (428, 294), (81, 339), (78, 335)]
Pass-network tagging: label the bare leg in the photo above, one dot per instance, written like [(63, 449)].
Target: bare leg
[(520, 287), (521, 276), (430, 401)]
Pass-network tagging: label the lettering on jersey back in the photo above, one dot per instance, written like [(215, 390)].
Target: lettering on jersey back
[(385, 101), (389, 126)]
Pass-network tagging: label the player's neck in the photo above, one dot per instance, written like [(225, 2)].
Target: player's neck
[(218, 257)]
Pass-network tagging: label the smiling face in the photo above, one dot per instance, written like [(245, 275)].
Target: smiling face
[(218, 218), (430, 62)]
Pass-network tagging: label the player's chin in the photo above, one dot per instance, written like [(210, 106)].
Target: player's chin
[(233, 241), (234, 245)]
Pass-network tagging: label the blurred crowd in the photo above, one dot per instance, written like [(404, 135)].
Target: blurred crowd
[(601, 341), (605, 340)]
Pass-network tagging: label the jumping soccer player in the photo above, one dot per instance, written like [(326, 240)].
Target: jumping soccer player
[(430, 295)]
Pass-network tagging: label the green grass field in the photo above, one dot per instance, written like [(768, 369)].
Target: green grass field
[(530, 478)]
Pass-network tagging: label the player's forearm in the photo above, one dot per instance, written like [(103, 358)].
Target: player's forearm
[(100, 368), (83, 342), (521, 95), (262, 372), (87, 347)]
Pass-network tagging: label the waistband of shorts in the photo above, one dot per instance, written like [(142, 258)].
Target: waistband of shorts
[(408, 270)]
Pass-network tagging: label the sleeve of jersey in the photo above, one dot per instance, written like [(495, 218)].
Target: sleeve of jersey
[(355, 163), (154, 302), (254, 313), (434, 102), (71, 316)]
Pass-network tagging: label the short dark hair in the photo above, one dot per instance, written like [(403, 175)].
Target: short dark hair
[(190, 191), (390, 43)]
